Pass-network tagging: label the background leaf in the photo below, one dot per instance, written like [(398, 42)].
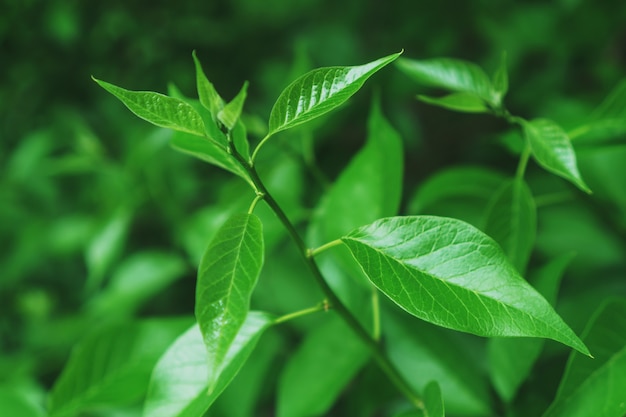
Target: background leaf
[(448, 273), (464, 102), (320, 91), (433, 400), (597, 386), (501, 78), (179, 383), (227, 275), (552, 149)]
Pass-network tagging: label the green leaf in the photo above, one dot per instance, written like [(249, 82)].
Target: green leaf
[(433, 400), (319, 370), (179, 385), (320, 91), (453, 75), (159, 109), (231, 112), (227, 276), (207, 94), (464, 102), (16, 403), (501, 79), (451, 274), (112, 365), (552, 149), (511, 220), (596, 387)]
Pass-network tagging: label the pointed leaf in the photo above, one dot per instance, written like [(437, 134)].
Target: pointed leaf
[(319, 371), (552, 149), (159, 109), (501, 78), (112, 366), (464, 102), (227, 275), (608, 120), (179, 383), (451, 274), (511, 220), (596, 387), (209, 97), (451, 74), (320, 91), (231, 112)]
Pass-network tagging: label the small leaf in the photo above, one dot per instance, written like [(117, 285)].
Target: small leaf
[(451, 274), (552, 149), (511, 220), (433, 400), (319, 370), (159, 109), (320, 91), (112, 366), (179, 383), (209, 97), (595, 387), (227, 275), (231, 112), (464, 102), (501, 79), (451, 74)]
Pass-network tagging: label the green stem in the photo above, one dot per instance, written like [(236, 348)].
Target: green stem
[(375, 314), (523, 162), (317, 251), (320, 307), (258, 147), (259, 197), (375, 348)]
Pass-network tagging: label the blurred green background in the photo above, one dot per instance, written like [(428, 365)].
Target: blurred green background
[(87, 191)]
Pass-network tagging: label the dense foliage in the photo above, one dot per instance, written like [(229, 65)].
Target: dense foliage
[(384, 244)]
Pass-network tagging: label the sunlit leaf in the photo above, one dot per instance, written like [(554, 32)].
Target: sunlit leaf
[(552, 149), (451, 274), (227, 275), (320, 91), (231, 112), (112, 366), (179, 385), (464, 102), (207, 94), (596, 387), (159, 109)]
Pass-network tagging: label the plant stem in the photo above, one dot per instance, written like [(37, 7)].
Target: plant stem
[(523, 162), (335, 303), (317, 251), (256, 150), (320, 307)]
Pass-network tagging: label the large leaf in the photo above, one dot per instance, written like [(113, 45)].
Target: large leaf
[(159, 109), (451, 274), (320, 91), (511, 221), (553, 150), (227, 275), (319, 370), (179, 385), (112, 366), (453, 75), (597, 387)]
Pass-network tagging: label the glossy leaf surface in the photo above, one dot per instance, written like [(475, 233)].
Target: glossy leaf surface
[(552, 149), (227, 276), (597, 387), (320, 91), (112, 366), (179, 384), (449, 273), (511, 220), (159, 109)]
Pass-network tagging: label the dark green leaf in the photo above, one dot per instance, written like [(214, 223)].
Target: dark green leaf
[(320, 91), (464, 102), (596, 387), (158, 109), (319, 370), (231, 112), (451, 274), (227, 275), (552, 149), (511, 220), (112, 366), (179, 385)]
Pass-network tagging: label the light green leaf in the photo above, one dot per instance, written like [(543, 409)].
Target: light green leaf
[(159, 109), (179, 385), (552, 149), (319, 370), (464, 102), (453, 75), (209, 97), (596, 387), (511, 360), (501, 79), (112, 365), (231, 112), (451, 274), (511, 220), (227, 276), (16, 403), (320, 91)]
